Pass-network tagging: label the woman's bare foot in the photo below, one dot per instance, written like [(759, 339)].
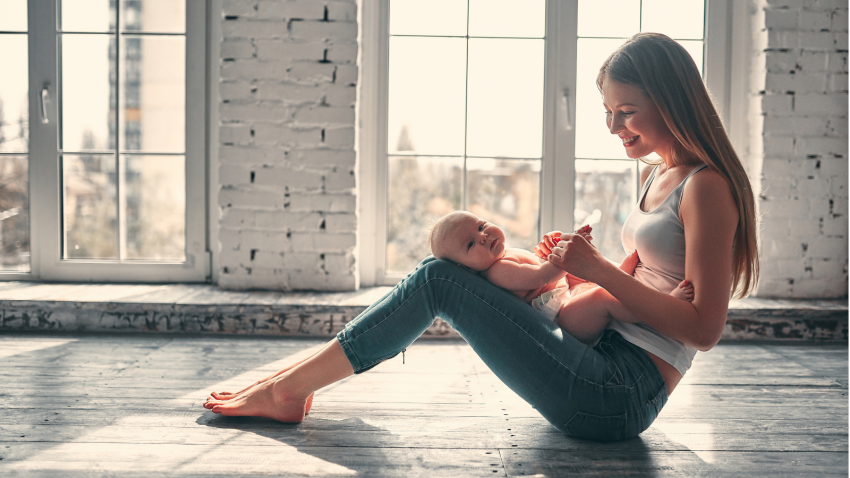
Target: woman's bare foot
[(268, 399), (225, 396), (684, 291)]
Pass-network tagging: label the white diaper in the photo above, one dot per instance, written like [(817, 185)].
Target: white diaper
[(550, 302)]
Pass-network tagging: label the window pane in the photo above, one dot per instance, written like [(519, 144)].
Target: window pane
[(606, 191), (674, 18), (87, 92), (507, 18), (507, 193), (161, 16), (427, 79), (593, 140), (505, 103), (89, 203), (695, 48), (154, 206), (14, 18), (153, 93), (420, 191), (14, 107), (434, 17), (611, 18), (87, 15), (14, 214)]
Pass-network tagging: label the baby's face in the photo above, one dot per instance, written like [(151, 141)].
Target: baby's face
[(473, 242)]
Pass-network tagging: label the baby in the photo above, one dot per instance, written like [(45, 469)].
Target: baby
[(476, 244)]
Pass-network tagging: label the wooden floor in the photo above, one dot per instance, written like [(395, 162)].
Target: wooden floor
[(131, 406)]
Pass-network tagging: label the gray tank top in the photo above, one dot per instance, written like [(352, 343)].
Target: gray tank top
[(659, 237)]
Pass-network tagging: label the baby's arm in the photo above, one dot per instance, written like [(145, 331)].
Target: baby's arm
[(512, 275)]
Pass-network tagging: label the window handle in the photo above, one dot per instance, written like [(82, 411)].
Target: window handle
[(565, 104), (44, 100)]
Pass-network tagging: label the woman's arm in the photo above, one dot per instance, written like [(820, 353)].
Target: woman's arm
[(514, 276), (710, 218)]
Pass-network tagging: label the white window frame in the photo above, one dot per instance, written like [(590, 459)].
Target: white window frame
[(45, 219), (558, 141)]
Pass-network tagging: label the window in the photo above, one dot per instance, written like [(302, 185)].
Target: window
[(447, 123), (106, 130)]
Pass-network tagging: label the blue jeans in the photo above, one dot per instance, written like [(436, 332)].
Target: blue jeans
[(609, 392)]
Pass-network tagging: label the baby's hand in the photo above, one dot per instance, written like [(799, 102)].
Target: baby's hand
[(549, 240), (584, 231)]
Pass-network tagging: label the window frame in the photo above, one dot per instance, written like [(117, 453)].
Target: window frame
[(45, 195), (558, 141)]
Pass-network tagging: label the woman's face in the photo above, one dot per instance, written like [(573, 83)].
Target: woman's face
[(635, 119)]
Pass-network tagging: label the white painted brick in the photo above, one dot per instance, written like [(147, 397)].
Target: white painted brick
[(330, 282), (837, 83), (308, 241), (816, 40), (339, 137), (313, 30), (238, 7), (293, 221), (322, 202), (302, 261), (290, 9), (253, 69), (838, 206), (783, 38), (830, 4), (236, 90), (837, 62), (324, 115), (290, 92), (829, 268), (273, 133), (237, 49), (771, 287), (339, 263), (838, 187), (833, 167), (342, 52), (839, 18), (814, 61), (791, 268), (255, 111), (251, 155), (234, 174), (821, 247), (340, 180), (790, 3), (781, 19), (342, 11), (290, 50), (789, 208), (780, 61), (340, 222), (839, 39), (837, 126), (346, 75), (296, 180), (234, 133), (777, 103), (313, 71), (253, 29), (814, 288), (259, 279), (265, 240), (791, 125), (237, 218), (250, 197), (323, 158), (268, 259), (815, 20), (778, 147), (229, 239), (834, 226), (822, 145), (798, 83), (340, 95)]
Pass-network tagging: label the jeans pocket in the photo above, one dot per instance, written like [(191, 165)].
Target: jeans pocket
[(597, 427), (654, 406)]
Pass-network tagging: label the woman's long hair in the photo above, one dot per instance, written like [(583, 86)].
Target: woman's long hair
[(667, 74)]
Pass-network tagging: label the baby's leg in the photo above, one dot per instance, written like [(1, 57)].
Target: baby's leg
[(586, 315)]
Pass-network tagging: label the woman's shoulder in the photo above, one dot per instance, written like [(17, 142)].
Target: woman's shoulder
[(709, 191)]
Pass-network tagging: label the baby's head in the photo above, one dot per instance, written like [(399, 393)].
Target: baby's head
[(468, 240)]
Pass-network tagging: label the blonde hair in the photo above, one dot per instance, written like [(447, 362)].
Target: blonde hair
[(667, 75)]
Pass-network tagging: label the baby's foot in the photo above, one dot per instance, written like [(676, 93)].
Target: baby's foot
[(684, 291), (630, 263)]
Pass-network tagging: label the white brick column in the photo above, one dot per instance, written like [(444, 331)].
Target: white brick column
[(287, 185), (802, 130)]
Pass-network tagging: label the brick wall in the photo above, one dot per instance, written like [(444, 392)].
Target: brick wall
[(288, 74), (801, 68)]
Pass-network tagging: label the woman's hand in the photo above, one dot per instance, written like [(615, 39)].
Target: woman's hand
[(577, 256), (550, 239)]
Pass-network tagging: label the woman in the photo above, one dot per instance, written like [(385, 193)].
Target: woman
[(695, 219)]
